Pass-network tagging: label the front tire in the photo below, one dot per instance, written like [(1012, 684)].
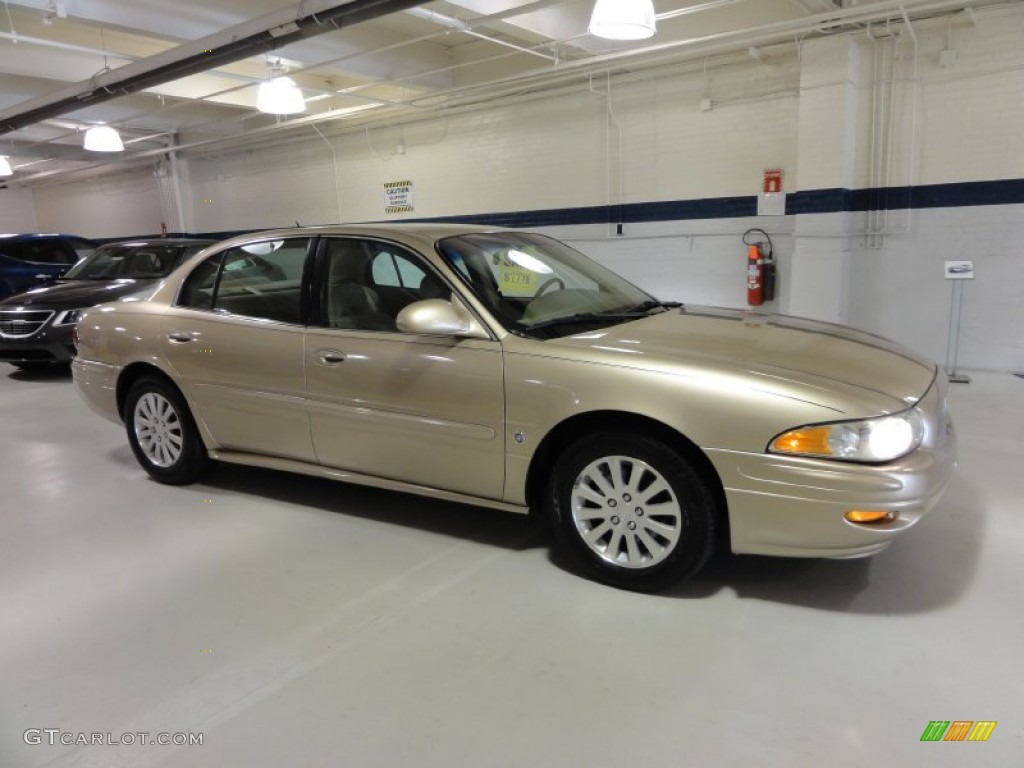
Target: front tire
[(162, 434), (631, 512)]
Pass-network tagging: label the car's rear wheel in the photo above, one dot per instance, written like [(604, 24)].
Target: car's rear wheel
[(162, 434), (631, 511)]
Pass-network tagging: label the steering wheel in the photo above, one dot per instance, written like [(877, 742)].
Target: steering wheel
[(548, 283)]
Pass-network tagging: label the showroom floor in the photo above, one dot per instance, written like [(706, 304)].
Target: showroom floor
[(297, 622)]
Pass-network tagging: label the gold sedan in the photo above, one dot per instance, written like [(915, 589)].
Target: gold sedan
[(504, 369)]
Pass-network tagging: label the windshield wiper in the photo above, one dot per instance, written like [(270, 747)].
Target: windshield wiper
[(647, 306), (582, 318)]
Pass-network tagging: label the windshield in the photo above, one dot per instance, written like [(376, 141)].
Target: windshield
[(540, 287), (119, 261)]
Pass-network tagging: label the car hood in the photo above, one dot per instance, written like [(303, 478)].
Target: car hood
[(76, 294), (795, 357)]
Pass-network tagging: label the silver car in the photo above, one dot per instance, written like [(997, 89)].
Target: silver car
[(505, 369)]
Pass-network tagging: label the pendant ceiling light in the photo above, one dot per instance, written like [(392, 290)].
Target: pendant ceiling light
[(623, 19), (103, 138), (280, 96), (5, 167)]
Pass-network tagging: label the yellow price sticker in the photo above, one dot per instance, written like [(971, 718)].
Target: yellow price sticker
[(517, 281)]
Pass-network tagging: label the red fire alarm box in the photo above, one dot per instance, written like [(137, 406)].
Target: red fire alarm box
[(772, 181)]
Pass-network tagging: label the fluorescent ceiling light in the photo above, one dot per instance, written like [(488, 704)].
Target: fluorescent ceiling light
[(623, 19), (103, 138), (280, 96), (5, 167)]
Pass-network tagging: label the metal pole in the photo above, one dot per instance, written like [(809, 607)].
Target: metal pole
[(953, 342), (176, 186)]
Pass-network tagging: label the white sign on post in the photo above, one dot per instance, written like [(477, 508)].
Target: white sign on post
[(959, 270)]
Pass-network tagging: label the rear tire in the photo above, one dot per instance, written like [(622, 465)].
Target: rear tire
[(631, 512), (162, 433)]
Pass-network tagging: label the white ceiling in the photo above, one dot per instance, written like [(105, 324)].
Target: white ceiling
[(435, 57)]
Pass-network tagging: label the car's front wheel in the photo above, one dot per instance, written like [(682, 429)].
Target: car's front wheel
[(162, 434), (631, 511)]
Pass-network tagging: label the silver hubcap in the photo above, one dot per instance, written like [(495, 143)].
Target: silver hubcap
[(158, 429), (626, 512)]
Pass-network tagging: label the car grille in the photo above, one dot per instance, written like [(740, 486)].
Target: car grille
[(16, 325)]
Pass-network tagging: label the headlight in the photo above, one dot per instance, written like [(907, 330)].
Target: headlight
[(871, 440), (68, 317)]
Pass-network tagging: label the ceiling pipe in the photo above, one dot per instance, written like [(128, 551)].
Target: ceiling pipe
[(250, 38), (14, 37), (710, 5), (774, 32), (451, 22), (350, 93), (651, 55)]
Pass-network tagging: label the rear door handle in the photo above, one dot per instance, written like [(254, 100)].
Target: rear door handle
[(330, 356), (180, 337)]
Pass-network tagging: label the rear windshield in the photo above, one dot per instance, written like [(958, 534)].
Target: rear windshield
[(132, 261), (39, 251)]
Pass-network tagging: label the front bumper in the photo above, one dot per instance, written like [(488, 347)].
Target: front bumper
[(795, 507), (50, 344)]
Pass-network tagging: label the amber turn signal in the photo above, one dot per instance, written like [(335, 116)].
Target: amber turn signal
[(811, 441), (870, 516)]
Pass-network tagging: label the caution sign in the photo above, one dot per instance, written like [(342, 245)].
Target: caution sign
[(398, 197)]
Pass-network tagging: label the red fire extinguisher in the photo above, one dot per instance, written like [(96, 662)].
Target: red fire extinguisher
[(760, 268)]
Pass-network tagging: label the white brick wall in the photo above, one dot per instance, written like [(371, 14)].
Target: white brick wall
[(901, 291), (121, 206), (962, 123), (17, 211)]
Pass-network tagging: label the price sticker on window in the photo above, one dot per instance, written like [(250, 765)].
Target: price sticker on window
[(517, 281)]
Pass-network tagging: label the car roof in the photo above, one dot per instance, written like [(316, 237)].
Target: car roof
[(146, 242), (41, 236), (422, 230)]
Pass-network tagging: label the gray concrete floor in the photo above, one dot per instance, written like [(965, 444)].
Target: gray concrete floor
[(297, 622)]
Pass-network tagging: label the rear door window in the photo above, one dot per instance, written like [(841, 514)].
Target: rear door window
[(259, 280)]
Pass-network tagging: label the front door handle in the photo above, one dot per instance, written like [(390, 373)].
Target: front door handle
[(180, 337), (330, 356)]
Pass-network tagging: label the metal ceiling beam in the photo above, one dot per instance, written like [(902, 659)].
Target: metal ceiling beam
[(251, 38)]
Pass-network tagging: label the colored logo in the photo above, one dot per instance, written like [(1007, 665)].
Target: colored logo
[(958, 730)]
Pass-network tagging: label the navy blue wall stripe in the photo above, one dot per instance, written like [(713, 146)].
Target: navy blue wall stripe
[(962, 194)]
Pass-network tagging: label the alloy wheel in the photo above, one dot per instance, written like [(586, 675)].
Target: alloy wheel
[(626, 512), (158, 429)]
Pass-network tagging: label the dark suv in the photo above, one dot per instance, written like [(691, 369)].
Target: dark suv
[(28, 260), (36, 326)]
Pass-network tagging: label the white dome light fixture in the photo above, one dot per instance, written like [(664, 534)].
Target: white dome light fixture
[(5, 166), (103, 138), (280, 96), (623, 19)]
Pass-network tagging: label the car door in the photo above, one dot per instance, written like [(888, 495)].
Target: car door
[(427, 410), (235, 340)]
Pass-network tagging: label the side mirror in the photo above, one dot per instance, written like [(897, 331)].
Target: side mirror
[(437, 317)]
